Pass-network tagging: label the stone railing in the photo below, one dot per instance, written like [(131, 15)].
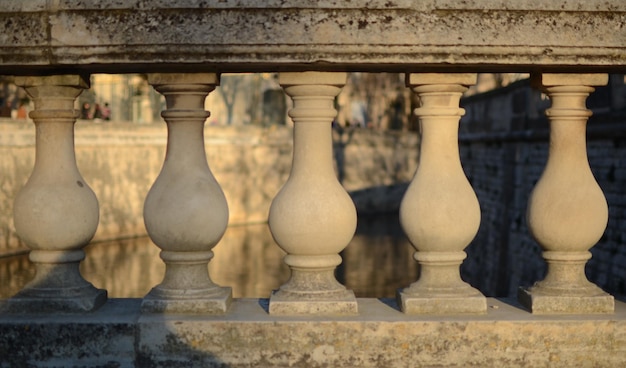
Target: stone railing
[(312, 320), (251, 163)]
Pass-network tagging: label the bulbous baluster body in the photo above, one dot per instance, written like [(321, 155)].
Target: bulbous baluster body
[(56, 213), (567, 211), (312, 218), (440, 212), (185, 212)]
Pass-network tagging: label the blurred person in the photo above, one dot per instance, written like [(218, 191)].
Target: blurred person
[(22, 113), (97, 112), (85, 112), (5, 110), (106, 112)]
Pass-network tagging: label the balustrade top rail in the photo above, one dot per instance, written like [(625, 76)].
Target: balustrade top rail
[(90, 36)]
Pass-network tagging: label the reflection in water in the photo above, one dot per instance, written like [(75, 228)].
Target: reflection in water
[(379, 259), (376, 263), (248, 260)]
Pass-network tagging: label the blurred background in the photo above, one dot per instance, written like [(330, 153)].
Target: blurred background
[(120, 145)]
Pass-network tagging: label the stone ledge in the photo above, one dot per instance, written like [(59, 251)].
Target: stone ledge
[(139, 36), (247, 336)]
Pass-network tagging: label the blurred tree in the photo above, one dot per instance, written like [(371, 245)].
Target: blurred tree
[(274, 107), (255, 97), (228, 90), (376, 100)]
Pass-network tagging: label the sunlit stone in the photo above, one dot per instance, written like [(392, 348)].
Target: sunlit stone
[(185, 212), (440, 213), (56, 212), (312, 218), (567, 211)]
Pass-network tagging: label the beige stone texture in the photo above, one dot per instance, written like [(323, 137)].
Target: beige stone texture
[(185, 212), (384, 337), (440, 212), (593, 301), (312, 35), (56, 212), (312, 218), (567, 211)]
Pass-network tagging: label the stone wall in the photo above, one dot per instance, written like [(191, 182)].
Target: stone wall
[(504, 147), (120, 161)]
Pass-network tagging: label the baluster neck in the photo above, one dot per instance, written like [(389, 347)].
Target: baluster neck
[(185, 142)]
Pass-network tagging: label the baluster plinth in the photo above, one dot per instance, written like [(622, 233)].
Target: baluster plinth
[(567, 211), (312, 218), (56, 213), (440, 213), (185, 212)]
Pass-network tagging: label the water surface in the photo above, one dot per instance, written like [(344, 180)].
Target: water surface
[(377, 262)]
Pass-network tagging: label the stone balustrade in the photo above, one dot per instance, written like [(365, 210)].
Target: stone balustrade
[(312, 320)]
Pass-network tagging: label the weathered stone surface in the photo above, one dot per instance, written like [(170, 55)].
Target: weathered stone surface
[(299, 35), (474, 303), (312, 218), (35, 298), (382, 337), (215, 302), (247, 336), (55, 213), (546, 303), (333, 304), (440, 213), (104, 338), (567, 210), (185, 211)]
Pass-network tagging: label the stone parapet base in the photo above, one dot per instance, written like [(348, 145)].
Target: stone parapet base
[(216, 302), (78, 300), (465, 304), (344, 303), (544, 303), (247, 336)]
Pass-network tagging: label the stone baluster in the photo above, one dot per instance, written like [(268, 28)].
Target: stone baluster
[(567, 211), (56, 213), (440, 213), (185, 212), (312, 218)]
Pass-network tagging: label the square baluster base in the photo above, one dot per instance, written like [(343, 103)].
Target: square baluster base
[(344, 304), (541, 303), (29, 302), (217, 303), (433, 304)]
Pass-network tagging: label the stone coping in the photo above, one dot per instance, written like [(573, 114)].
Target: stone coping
[(380, 336), (252, 35)]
